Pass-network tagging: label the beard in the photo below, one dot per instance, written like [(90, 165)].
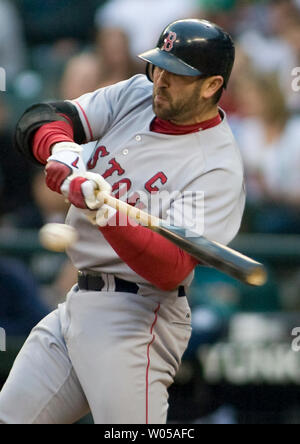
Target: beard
[(176, 109)]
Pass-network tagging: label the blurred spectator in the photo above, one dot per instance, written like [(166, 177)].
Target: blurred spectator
[(269, 138), (16, 172), (21, 307), (142, 20), (242, 66), (107, 63), (52, 206), (81, 75), (114, 55), (20, 304), (291, 35), (12, 47), (45, 207), (221, 12), (55, 31), (52, 20), (274, 48), (280, 15)]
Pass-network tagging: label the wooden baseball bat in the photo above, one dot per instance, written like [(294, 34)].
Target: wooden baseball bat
[(207, 252)]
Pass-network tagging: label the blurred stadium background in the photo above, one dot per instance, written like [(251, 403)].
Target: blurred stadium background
[(240, 367)]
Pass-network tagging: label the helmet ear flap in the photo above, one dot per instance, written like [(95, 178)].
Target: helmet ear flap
[(149, 71)]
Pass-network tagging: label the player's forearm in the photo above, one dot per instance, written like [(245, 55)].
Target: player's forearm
[(150, 255), (47, 136)]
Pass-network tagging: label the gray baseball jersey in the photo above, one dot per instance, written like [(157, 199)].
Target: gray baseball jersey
[(203, 171), (117, 352)]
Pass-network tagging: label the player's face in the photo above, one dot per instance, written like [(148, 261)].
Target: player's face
[(176, 98)]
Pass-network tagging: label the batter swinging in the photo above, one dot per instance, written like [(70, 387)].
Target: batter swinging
[(115, 345)]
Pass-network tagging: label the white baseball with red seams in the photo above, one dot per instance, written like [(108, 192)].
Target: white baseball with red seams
[(117, 352)]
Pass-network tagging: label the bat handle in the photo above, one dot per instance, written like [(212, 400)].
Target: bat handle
[(138, 215)]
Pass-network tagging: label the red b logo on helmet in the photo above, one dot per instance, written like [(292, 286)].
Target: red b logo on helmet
[(169, 41)]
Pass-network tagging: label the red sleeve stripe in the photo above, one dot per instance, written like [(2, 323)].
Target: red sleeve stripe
[(86, 119)]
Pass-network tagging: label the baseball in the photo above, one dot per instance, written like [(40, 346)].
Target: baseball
[(57, 237)]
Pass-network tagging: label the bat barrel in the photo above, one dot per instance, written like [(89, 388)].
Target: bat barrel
[(257, 277), (216, 255)]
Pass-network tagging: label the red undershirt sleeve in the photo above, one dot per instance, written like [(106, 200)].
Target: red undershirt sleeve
[(49, 134), (150, 255)]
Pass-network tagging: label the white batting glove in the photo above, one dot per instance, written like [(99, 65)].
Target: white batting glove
[(85, 188), (65, 160), (66, 174)]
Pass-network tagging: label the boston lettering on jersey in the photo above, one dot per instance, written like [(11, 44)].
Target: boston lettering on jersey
[(123, 186)]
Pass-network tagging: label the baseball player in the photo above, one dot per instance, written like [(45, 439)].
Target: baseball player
[(115, 345)]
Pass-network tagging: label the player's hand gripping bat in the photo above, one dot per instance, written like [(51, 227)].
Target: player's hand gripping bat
[(207, 252)]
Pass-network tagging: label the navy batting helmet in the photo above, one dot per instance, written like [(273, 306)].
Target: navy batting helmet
[(193, 47)]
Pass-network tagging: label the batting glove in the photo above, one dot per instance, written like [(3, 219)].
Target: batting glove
[(66, 174), (83, 190)]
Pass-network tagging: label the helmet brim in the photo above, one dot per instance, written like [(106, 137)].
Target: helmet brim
[(169, 62)]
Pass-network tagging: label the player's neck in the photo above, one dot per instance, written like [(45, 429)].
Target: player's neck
[(203, 116)]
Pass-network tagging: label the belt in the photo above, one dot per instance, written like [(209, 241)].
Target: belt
[(95, 282)]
